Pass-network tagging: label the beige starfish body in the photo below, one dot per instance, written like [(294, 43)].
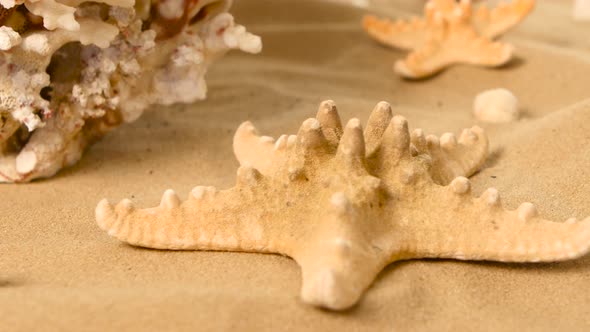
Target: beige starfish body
[(344, 211), (450, 33)]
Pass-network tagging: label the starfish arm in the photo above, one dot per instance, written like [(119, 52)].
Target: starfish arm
[(208, 220), (451, 157), (407, 35), (337, 267), (340, 286), (264, 154), (463, 47), (337, 257), (260, 152), (495, 22), (457, 226), (338, 260)]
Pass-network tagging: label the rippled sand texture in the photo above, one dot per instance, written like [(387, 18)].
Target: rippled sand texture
[(59, 271)]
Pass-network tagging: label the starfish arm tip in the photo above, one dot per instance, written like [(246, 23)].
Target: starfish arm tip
[(325, 289), (402, 68), (104, 214)]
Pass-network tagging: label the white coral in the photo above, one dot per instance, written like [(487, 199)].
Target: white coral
[(8, 38), (104, 71), (8, 3), (55, 15), (36, 42)]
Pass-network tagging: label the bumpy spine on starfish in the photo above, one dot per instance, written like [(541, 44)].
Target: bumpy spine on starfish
[(450, 158), (208, 220), (494, 233)]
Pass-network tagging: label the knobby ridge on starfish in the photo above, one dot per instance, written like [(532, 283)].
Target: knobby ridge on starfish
[(345, 203), (449, 157)]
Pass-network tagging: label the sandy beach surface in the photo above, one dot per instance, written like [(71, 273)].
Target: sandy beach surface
[(60, 272)]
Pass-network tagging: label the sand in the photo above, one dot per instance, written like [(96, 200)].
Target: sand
[(59, 272)]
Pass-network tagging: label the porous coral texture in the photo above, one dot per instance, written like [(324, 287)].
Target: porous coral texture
[(70, 70)]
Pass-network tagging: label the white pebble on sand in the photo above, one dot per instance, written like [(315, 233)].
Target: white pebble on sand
[(496, 106)]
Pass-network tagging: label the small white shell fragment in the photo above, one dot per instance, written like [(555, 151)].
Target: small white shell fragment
[(496, 106)]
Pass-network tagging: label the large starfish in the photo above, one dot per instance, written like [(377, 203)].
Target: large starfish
[(344, 204), (450, 33)]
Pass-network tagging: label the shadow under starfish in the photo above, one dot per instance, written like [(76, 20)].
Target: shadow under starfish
[(344, 204)]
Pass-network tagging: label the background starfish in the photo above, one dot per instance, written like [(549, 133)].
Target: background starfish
[(450, 33), (345, 212)]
